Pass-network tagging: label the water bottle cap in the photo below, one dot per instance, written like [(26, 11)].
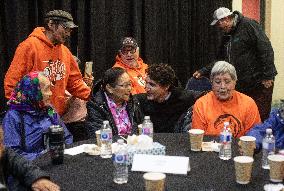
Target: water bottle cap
[(268, 130), (147, 117), (106, 122), (120, 141)]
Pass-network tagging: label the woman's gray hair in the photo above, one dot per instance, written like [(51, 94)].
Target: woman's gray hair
[(222, 67)]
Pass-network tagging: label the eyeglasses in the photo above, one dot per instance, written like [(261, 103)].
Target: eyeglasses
[(125, 51), (125, 85)]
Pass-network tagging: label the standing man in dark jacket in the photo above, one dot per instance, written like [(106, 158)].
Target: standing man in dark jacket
[(246, 46)]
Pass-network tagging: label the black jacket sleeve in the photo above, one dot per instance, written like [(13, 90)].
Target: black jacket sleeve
[(264, 50), (142, 99), (94, 118), (21, 169)]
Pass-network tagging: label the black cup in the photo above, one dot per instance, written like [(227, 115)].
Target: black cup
[(56, 144)]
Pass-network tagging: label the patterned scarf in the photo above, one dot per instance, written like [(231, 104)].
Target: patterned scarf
[(27, 97), (120, 117)]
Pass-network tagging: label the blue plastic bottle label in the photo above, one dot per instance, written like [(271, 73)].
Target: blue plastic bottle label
[(268, 146), (120, 158), (228, 138), (106, 136), (146, 131), (222, 138)]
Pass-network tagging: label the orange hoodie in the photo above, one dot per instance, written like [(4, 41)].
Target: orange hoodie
[(210, 114), (37, 53), (137, 75)]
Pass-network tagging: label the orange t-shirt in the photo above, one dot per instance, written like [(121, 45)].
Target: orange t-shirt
[(210, 114), (137, 75)]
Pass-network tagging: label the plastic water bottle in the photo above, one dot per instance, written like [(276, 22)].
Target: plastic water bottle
[(225, 152), (147, 127), (106, 140), (268, 147), (222, 140), (120, 174)]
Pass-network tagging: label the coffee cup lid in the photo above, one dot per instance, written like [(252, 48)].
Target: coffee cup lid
[(154, 176), (243, 159)]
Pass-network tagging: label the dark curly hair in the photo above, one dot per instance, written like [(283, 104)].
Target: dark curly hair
[(162, 73)]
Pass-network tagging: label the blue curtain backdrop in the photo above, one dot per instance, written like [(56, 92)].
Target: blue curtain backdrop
[(177, 32)]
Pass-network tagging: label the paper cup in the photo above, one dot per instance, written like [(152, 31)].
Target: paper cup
[(243, 167), (98, 137), (276, 163), (140, 129), (154, 181), (247, 144), (196, 138)]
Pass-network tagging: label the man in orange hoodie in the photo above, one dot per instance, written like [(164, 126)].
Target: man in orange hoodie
[(44, 51), (128, 59)]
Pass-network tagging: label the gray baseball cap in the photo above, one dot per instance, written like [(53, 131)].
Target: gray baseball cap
[(220, 13), (60, 15)]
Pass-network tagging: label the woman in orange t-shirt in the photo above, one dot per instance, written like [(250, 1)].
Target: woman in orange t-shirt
[(224, 104)]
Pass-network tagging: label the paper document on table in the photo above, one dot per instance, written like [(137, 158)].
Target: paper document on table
[(75, 150), (160, 163)]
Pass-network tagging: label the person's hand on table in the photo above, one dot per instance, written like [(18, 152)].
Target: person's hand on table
[(44, 184)]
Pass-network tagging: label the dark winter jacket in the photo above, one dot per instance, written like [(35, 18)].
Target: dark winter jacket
[(23, 171), (249, 50), (172, 115), (98, 111)]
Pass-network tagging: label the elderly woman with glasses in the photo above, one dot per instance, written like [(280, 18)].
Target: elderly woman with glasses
[(114, 102), (128, 59), (224, 104)]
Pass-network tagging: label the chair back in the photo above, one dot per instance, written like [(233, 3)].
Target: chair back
[(200, 84)]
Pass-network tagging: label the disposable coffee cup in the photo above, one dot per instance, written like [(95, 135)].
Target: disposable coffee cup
[(196, 138), (243, 168), (276, 163), (154, 181), (247, 144), (140, 129), (98, 137)]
